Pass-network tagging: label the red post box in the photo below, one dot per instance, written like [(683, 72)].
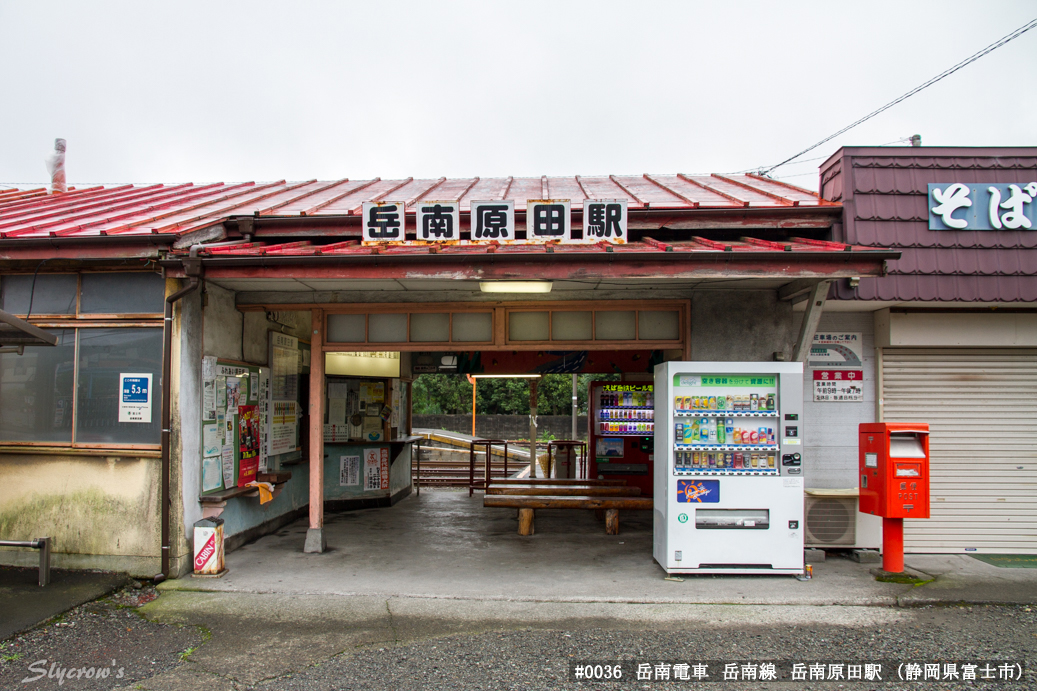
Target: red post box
[(894, 481)]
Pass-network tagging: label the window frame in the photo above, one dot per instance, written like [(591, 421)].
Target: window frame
[(78, 322)]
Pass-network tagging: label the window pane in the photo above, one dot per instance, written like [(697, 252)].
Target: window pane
[(36, 391), (571, 326), (614, 326), (117, 293), (53, 294), (473, 327), (426, 328), (658, 326), (346, 328), (527, 326), (104, 354), (387, 328)]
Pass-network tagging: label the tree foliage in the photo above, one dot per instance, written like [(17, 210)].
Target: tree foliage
[(451, 394)]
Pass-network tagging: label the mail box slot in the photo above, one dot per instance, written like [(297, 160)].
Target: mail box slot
[(894, 469)]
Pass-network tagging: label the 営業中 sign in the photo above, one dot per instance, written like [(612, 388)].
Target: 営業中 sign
[(838, 385)]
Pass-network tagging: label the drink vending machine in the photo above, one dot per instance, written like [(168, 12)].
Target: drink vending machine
[(622, 424), (728, 471)]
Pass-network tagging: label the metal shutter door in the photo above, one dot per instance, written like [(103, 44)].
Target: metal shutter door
[(981, 406)]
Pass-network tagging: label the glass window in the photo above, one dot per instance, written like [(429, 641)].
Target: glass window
[(473, 327), (658, 326), (36, 391), (571, 326), (427, 328), (347, 328), (614, 326), (528, 326), (104, 354), (52, 294), (119, 293), (387, 328)]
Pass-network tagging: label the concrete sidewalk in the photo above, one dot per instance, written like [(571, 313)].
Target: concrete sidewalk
[(446, 545)]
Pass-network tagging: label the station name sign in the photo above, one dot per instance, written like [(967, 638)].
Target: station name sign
[(982, 206), (547, 220)]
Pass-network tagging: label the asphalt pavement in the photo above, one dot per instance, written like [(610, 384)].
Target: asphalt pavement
[(442, 594)]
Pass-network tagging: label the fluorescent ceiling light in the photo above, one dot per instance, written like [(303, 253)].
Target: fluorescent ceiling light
[(505, 376), (515, 286)]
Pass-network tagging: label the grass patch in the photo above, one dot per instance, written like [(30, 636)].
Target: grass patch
[(902, 578)]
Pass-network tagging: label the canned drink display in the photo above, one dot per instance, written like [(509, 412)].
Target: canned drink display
[(721, 402), (770, 460), (755, 460), (712, 402), (711, 459), (678, 432)]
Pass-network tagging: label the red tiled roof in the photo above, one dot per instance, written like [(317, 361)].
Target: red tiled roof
[(132, 211)]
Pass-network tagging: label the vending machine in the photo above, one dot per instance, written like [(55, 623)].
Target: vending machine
[(728, 467), (622, 424)]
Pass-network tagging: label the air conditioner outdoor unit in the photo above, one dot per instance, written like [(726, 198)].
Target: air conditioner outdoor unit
[(831, 521)]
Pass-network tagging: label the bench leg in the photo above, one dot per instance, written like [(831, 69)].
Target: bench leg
[(612, 521), (525, 521), (599, 514)]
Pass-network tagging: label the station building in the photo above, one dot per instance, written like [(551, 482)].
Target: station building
[(267, 322)]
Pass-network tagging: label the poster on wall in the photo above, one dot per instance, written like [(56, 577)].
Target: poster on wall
[(263, 410), (284, 367), (135, 398), (248, 444), (838, 385), (836, 350), (349, 471), (282, 427), (372, 470), (234, 393), (212, 440), (227, 463), (212, 474)]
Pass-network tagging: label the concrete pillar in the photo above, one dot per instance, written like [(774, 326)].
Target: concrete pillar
[(315, 535)]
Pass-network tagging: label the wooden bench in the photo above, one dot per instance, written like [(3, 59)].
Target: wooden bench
[(526, 505), (565, 491)]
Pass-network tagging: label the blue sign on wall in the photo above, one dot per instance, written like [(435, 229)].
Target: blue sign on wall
[(698, 491), (135, 390), (982, 206)]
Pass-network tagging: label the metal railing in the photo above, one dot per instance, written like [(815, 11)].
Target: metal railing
[(43, 544)]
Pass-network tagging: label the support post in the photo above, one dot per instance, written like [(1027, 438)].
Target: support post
[(811, 317), (611, 521), (532, 428), (575, 409), (315, 542), (893, 545)]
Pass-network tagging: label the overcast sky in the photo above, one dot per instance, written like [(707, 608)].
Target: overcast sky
[(205, 91)]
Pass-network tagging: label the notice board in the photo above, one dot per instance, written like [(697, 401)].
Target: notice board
[(289, 360), (235, 411)]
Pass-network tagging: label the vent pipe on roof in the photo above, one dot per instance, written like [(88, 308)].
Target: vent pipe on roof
[(916, 140), (56, 166)]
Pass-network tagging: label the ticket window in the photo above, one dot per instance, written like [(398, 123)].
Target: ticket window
[(357, 409)]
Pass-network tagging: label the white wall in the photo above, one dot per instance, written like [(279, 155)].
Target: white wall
[(830, 429)]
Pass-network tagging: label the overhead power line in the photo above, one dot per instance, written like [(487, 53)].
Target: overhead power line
[(967, 61)]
